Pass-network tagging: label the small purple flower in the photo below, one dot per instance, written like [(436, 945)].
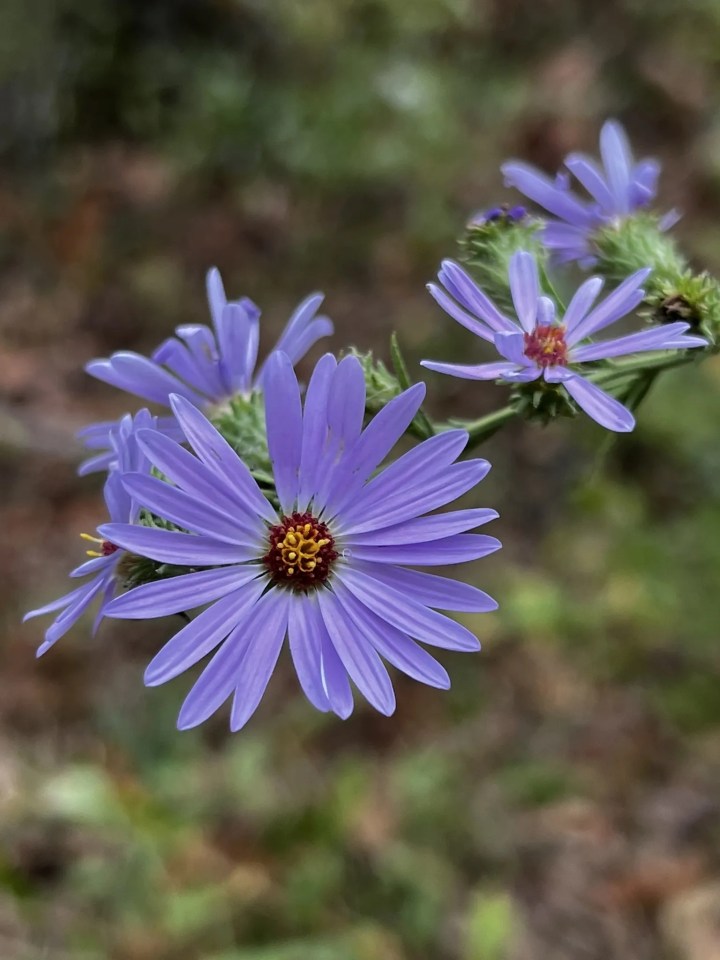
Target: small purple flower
[(618, 188), (538, 344), (105, 556), (329, 569), (208, 366), (504, 214)]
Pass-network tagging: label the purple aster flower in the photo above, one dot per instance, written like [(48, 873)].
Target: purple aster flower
[(539, 344), (106, 440), (105, 556), (208, 366), (618, 188), (329, 569)]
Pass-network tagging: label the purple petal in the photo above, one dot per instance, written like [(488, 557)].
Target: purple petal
[(221, 675), (590, 176), (334, 676), (359, 658), (190, 513), (582, 301), (524, 287), (182, 593), (460, 548), (373, 510), (305, 648), (192, 476), (512, 347), (652, 339), (238, 337), (457, 313), (260, 660), (136, 374), (544, 192), (604, 409), (217, 454), (283, 413), (373, 445), (82, 600), (620, 302), (167, 546), (397, 648), (430, 589), (480, 371), (407, 614), (425, 529), (460, 285), (618, 162), (215, 294), (314, 429), (203, 634)]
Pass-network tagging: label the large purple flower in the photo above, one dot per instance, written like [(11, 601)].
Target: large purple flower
[(617, 189), (105, 556), (539, 344), (207, 366), (328, 569)]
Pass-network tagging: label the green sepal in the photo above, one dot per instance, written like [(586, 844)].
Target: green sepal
[(542, 402), (241, 421), (633, 243), (691, 298), (382, 385)]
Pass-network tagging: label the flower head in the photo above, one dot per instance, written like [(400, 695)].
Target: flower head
[(537, 343), (208, 366), (617, 189), (328, 567), (105, 555)]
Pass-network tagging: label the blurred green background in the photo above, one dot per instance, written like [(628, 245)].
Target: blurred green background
[(562, 801)]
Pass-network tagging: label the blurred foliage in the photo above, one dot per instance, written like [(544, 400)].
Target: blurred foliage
[(344, 144)]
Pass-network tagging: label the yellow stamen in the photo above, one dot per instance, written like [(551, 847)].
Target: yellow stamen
[(93, 553), (87, 536)]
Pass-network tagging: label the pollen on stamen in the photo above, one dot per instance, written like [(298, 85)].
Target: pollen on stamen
[(301, 551), (546, 346), (106, 547)]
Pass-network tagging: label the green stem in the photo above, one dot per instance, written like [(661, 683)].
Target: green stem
[(547, 283), (483, 428)]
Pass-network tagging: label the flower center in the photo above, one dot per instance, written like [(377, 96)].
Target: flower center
[(105, 546), (301, 551), (546, 346)]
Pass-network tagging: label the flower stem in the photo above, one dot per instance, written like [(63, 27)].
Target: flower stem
[(483, 428)]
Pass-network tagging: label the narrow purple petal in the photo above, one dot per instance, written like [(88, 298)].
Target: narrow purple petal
[(590, 176), (216, 453), (432, 590), (314, 428), (460, 285), (305, 648), (73, 612), (651, 339), (456, 549), (203, 634), (407, 614), (546, 193), (283, 413), (189, 512), (136, 374), (479, 371), (425, 529), (436, 489), (392, 644), (457, 313), (192, 476), (359, 658), (182, 593), (604, 409), (167, 546), (334, 676), (524, 287), (582, 301), (221, 675), (618, 162), (259, 662), (620, 302), (65, 601), (215, 294)]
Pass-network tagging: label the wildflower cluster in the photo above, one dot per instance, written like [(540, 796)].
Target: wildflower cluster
[(280, 512)]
